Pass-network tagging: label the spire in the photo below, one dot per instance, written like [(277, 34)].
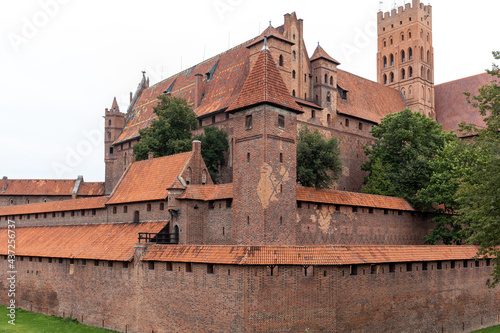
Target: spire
[(320, 53), (264, 85), (114, 106)]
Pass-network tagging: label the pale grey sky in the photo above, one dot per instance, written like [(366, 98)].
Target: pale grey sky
[(63, 61)]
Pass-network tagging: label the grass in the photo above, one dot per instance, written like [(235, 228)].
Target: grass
[(27, 322), (493, 329)]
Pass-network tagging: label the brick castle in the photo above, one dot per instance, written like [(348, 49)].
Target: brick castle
[(160, 248)]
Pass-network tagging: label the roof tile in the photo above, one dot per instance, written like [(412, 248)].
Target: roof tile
[(54, 206), (95, 241)]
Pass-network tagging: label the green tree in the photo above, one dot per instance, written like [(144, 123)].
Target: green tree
[(449, 167), (318, 161), (214, 145), (405, 143), (478, 195), (171, 132)]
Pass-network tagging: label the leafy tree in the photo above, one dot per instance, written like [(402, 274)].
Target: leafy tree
[(213, 146), (449, 167), (479, 193), (318, 161), (171, 132), (399, 159)]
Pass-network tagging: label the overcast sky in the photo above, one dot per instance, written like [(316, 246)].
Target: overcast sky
[(63, 61)]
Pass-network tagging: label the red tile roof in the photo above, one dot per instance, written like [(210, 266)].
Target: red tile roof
[(59, 187), (307, 255), (150, 180), (264, 85), (351, 199), (94, 241), (55, 206), (451, 104), (307, 103), (367, 99), (270, 32), (320, 53), (208, 192), (230, 70)]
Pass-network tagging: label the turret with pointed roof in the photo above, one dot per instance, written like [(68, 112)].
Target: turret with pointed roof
[(114, 121)]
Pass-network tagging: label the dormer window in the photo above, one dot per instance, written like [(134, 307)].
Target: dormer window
[(342, 93)]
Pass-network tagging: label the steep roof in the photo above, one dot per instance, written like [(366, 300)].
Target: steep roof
[(208, 192), (94, 241), (48, 187), (352, 199), (270, 32), (307, 255), (150, 179), (451, 104), (264, 85), (55, 206), (320, 53), (228, 73), (367, 99)]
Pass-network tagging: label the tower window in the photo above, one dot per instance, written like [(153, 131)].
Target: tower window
[(385, 62), (385, 79), (361, 128), (326, 78), (403, 74), (248, 122), (402, 37), (316, 99), (213, 119), (429, 57), (331, 80), (293, 93), (281, 61), (391, 57), (305, 77), (391, 41), (409, 32), (281, 157), (248, 157), (410, 71), (328, 97), (347, 123), (313, 114), (294, 54), (403, 56), (281, 121), (109, 122), (293, 74), (410, 54), (392, 77), (385, 42)]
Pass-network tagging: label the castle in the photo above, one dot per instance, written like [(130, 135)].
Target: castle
[(160, 248)]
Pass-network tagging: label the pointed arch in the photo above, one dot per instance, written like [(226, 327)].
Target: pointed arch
[(294, 55), (403, 74), (429, 77), (403, 56), (410, 53), (422, 73), (409, 34), (293, 74), (391, 58), (281, 60), (410, 71), (331, 80), (326, 78), (410, 90), (385, 61), (385, 79), (293, 93), (392, 77), (328, 97), (402, 36)]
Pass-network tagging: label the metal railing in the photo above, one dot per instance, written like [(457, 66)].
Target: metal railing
[(158, 238)]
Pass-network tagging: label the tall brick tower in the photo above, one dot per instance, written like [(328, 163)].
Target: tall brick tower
[(264, 172), (405, 58), (113, 126)]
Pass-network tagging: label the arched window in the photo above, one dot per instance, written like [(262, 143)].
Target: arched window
[(422, 73), (391, 57), (316, 79), (429, 57), (326, 78), (331, 80), (390, 40), (385, 43), (175, 236), (410, 54), (316, 99), (293, 93), (385, 79), (410, 71), (429, 74), (328, 119), (392, 77), (11, 201), (409, 34), (328, 97), (421, 33), (421, 54), (423, 93), (281, 60), (204, 177), (293, 74), (403, 74), (429, 94), (402, 36), (385, 62), (294, 55), (403, 56)]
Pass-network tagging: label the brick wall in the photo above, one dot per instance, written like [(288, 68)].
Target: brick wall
[(180, 297)]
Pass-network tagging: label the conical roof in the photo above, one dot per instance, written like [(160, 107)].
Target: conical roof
[(263, 85), (320, 53)]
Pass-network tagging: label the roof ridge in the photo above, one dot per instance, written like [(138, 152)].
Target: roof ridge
[(464, 78)]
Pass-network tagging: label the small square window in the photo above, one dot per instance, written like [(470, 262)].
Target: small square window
[(392, 267), (210, 268), (354, 270), (189, 267), (151, 265), (168, 266)]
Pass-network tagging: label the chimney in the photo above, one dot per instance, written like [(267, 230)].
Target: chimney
[(4, 184), (198, 82), (197, 147), (150, 156)]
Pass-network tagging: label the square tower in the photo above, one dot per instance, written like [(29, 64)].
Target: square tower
[(405, 57)]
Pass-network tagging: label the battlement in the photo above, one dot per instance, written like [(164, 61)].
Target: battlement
[(114, 112), (416, 6)]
